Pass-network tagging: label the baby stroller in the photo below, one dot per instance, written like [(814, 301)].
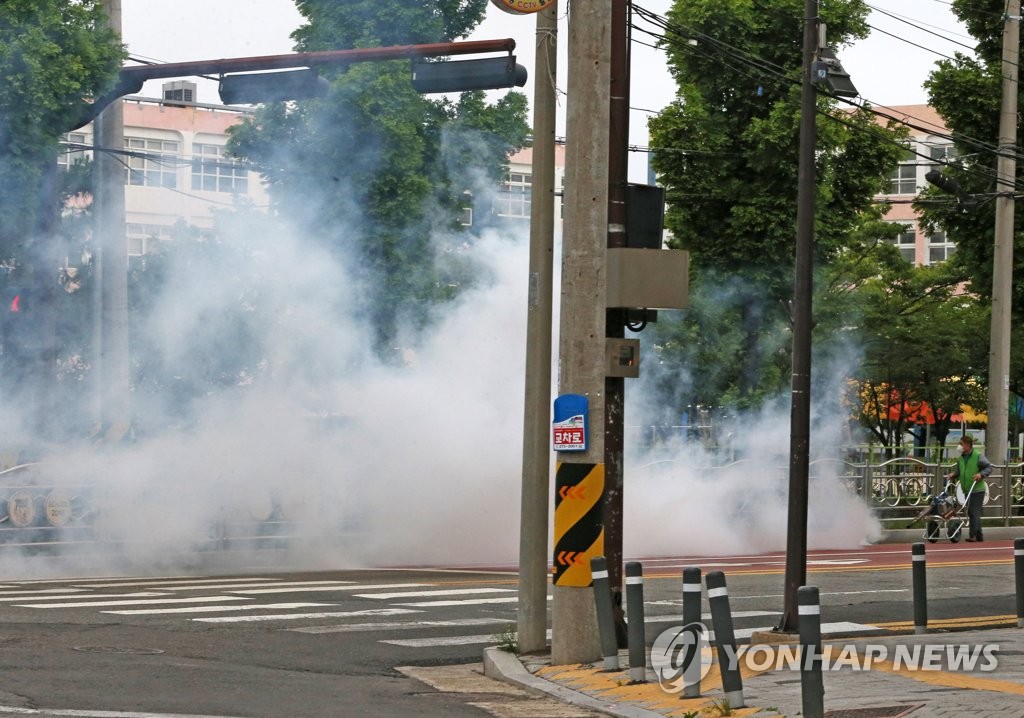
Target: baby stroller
[(945, 510)]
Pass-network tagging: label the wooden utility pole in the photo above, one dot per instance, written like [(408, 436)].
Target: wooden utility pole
[(536, 482), (583, 301), (111, 262), (1002, 253)]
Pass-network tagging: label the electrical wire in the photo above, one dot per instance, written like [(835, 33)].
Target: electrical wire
[(780, 75)]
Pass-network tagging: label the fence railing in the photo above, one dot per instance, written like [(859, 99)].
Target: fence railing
[(896, 490)]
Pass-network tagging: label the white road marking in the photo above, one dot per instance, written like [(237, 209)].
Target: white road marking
[(299, 616), (150, 601), (445, 641), (464, 602), (840, 627), (13, 710), (665, 618), (37, 597), (443, 592), (171, 581), (372, 587), (396, 626), (279, 586), (38, 591), (211, 609)]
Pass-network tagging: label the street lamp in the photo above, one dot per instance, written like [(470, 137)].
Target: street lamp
[(821, 70)]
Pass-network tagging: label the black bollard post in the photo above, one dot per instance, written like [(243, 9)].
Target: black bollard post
[(605, 615), (1018, 572), (691, 614), (812, 689), (920, 589), (725, 639), (635, 622)]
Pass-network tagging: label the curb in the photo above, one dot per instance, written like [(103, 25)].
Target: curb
[(504, 666), (992, 533)]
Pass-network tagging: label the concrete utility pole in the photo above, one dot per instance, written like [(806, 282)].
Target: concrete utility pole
[(111, 262), (800, 412), (533, 517), (583, 295), (1002, 254)]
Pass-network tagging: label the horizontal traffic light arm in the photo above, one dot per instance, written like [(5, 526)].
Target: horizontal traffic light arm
[(131, 79)]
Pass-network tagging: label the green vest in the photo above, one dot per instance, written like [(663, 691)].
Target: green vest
[(968, 466)]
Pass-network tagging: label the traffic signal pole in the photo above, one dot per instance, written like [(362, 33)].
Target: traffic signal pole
[(111, 262), (532, 616)]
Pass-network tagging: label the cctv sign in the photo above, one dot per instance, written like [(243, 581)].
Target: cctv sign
[(522, 7)]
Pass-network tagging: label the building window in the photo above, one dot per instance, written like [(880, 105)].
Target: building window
[(142, 236), (466, 211), (939, 248), (904, 179), (906, 242), (213, 172), (151, 163), (74, 151), (514, 196)]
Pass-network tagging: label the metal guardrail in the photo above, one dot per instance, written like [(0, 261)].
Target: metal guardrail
[(896, 490)]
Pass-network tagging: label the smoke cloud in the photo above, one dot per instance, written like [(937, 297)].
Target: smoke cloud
[(314, 454)]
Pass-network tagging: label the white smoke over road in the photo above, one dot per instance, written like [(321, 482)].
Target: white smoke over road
[(379, 464)]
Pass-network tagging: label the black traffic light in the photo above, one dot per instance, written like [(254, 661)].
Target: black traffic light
[(257, 87), (463, 75)]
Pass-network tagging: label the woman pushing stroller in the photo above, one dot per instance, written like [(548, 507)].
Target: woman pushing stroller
[(970, 469)]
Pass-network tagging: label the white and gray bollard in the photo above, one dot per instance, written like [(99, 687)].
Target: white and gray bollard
[(812, 689), (691, 614), (920, 589), (1018, 573), (635, 622), (605, 614), (725, 639)]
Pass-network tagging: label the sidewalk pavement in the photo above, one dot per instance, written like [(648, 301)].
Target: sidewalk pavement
[(884, 690)]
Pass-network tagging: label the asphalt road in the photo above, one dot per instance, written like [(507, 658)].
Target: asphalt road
[(285, 644)]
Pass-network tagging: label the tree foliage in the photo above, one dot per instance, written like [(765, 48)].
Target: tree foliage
[(967, 93), (921, 338), (53, 55), (727, 152), (374, 169)]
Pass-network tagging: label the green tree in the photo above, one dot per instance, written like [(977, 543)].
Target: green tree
[(921, 337), (727, 152), (374, 169), (966, 91), (54, 54)]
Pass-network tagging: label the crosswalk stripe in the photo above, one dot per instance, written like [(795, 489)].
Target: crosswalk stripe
[(396, 626), (463, 602), (172, 581), (37, 597), (148, 601), (278, 586), (37, 591), (374, 587), (443, 592), (212, 609), (300, 616), (678, 617)]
